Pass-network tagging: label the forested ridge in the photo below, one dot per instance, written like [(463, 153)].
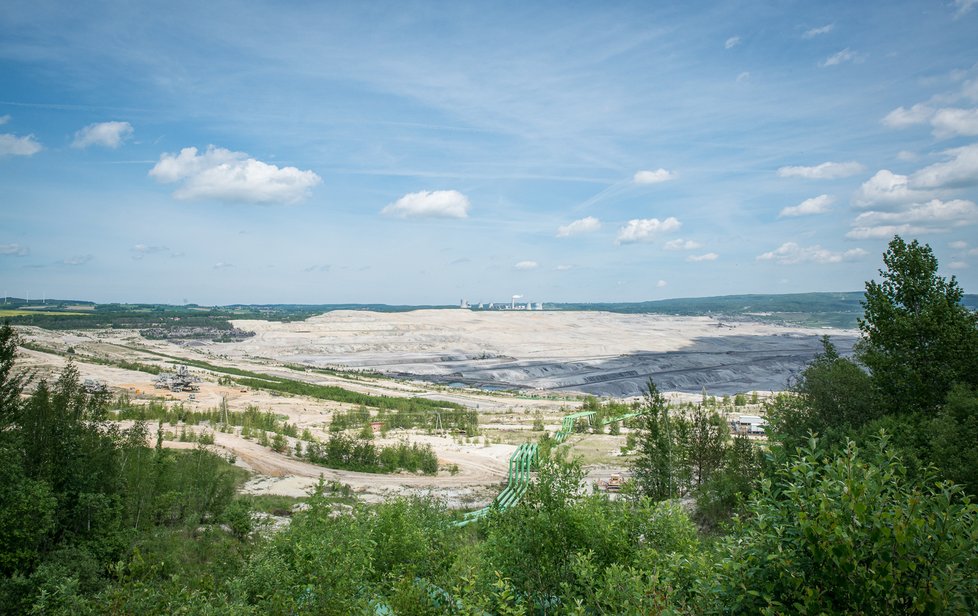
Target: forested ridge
[(858, 502)]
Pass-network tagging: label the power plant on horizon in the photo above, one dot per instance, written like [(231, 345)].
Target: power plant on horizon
[(511, 305)]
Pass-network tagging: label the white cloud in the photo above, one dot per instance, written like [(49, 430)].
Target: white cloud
[(960, 171), (901, 117), (886, 231), (743, 77), (958, 245), (661, 284), (791, 253), (653, 177), (14, 250), (958, 265), (584, 225), (906, 155), (77, 260), (887, 189), (527, 265), (952, 122), (710, 256), (682, 245), (964, 6), (645, 229), (224, 175), (956, 213), (564, 268), (106, 134), (4, 119), (12, 145), (818, 31), (430, 204), (141, 250), (222, 265), (808, 207), (840, 57), (824, 171), (731, 42), (973, 252)]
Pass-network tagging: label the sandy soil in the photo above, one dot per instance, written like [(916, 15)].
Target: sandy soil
[(552, 357)]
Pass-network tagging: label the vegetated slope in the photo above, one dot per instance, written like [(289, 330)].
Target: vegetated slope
[(809, 309)]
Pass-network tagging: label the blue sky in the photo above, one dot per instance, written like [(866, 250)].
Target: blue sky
[(407, 152)]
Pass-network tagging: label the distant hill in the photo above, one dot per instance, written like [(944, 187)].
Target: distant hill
[(806, 309)]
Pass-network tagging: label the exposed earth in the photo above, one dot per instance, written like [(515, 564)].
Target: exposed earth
[(545, 361)]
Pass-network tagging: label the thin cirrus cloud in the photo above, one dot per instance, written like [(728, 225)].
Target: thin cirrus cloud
[(680, 244), (526, 265), (731, 42), (710, 256), (430, 204), (791, 253), (12, 145), (823, 171), (653, 177), (813, 32), (584, 225), (808, 207), (223, 175), (14, 250), (105, 134), (78, 260), (640, 230), (840, 57)]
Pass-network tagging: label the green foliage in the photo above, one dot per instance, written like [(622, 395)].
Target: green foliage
[(849, 534), (342, 451), (919, 340)]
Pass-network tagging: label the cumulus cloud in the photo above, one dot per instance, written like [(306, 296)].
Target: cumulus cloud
[(584, 225), (430, 204), (224, 175), (653, 177), (953, 122), (106, 134), (710, 256), (646, 229), (77, 260), (901, 117), (824, 171), (14, 250), (935, 216), (818, 31), (661, 284), (791, 253), (12, 145), (840, 57), (960, 171), (681, 245), (527, 265), (808, 207), (731, 42), (887, 189)]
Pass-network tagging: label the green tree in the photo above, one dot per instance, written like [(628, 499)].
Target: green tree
[(918, 340), (849, 534), (655, 465)]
